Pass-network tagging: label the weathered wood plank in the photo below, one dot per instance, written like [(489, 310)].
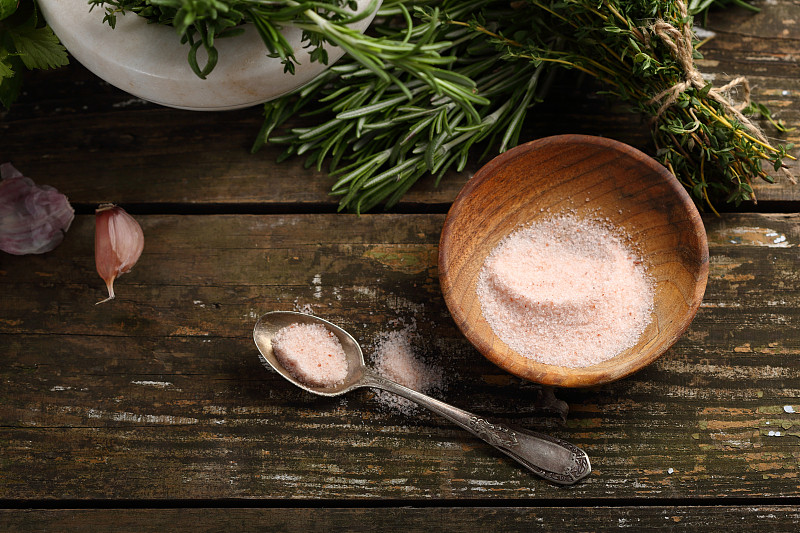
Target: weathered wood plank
[(159, 394), (97, 144), (779, 518), (762, 47)]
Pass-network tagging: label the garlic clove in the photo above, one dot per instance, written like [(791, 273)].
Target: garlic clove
[(118, 243), (33, 218)]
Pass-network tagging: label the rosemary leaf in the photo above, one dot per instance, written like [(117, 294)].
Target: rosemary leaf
[(496, 53)]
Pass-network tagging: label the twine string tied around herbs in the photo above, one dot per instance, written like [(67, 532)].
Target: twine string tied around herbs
[(680, 43)]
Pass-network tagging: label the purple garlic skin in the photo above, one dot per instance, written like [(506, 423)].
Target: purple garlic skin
[(33, 218)]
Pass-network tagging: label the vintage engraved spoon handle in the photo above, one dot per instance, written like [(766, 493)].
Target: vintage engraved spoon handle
[(553, 459), (550, 458)]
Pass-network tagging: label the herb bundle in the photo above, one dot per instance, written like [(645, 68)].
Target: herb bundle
[(439, 81), (199, 23), (379, 134)]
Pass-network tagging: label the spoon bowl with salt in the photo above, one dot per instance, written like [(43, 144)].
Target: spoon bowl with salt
[(553, 459)]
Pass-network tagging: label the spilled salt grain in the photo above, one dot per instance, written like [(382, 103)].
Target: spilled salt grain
[(396, 359), (305, 308), (565, 291), (311, 353)]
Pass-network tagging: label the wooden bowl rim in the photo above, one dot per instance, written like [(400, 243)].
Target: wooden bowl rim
[(557, 375)]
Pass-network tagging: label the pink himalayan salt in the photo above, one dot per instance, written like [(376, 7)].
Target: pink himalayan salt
[(565, 291), (395, 359), (311, 353)]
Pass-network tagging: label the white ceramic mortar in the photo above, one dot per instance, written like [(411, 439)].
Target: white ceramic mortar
[(148, 60)]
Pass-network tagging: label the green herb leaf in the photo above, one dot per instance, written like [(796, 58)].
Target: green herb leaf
[(7, 8), (403, 118), (37, 46)]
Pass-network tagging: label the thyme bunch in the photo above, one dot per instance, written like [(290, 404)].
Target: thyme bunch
[(643, 53), (378, 139)]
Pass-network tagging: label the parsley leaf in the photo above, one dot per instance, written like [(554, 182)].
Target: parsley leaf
[(26, 42), (37, 46)]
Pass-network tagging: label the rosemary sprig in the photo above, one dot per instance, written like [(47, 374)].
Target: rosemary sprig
[(379, 139), (199, 23)]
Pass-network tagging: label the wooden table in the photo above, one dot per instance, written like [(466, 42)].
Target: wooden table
[(153, 412)]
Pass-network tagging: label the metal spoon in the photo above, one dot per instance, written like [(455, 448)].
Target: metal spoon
[(553, 459)]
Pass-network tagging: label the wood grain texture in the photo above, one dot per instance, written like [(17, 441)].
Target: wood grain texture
[(778, 519), (152, 412), (160, 395), (762, 47), (97, 144)]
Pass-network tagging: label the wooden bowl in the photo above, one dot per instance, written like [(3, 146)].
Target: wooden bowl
[(590, 177)]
